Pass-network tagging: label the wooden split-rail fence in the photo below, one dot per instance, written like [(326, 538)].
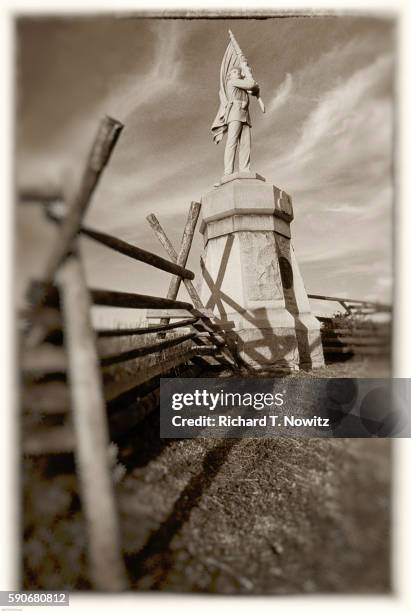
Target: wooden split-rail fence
[(355, 332), (65, 360)]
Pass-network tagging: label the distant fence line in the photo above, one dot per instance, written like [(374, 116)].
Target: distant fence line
[(353, 306), (354, 333)]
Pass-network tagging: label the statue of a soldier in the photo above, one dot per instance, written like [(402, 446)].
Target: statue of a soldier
[(233, 117)]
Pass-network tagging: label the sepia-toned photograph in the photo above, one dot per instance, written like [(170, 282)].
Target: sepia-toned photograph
[(203, 196)]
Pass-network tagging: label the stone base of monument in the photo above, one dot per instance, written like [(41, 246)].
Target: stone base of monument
[(250, 276)]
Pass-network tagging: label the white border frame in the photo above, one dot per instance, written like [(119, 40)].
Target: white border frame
[(9, 446)]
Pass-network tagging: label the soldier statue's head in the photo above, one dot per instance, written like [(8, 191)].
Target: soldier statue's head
[(235, 73)]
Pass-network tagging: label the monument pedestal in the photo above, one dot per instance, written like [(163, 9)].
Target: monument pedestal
[(250, 276)]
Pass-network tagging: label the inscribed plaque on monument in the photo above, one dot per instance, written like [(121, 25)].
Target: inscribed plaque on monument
[(261, 272)]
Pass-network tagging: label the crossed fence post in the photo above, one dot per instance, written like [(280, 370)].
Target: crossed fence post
[(216, 335), (107, 569)]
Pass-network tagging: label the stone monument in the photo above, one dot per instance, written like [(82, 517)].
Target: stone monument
[(250, 276)]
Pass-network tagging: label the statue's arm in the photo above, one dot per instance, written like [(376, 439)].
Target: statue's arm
[(248, 76), (246, 83)]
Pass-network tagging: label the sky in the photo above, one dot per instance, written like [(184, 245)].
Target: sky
[(327, 138)]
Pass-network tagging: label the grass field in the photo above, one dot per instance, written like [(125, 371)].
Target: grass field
[(248, 516), (260, 516)]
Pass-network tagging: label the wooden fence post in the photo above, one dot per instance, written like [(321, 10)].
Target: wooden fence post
[(103, 145), (107, 568), (100, 153)]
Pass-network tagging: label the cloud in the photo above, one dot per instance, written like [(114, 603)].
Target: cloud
[(134, 91), (339, 109), (342, 208), (129, 94), (281, 95)]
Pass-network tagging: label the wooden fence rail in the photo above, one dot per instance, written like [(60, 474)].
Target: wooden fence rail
[(352, 304), (45, 359), (145, 350), (105, 297), (132, 251), (138, 331)]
